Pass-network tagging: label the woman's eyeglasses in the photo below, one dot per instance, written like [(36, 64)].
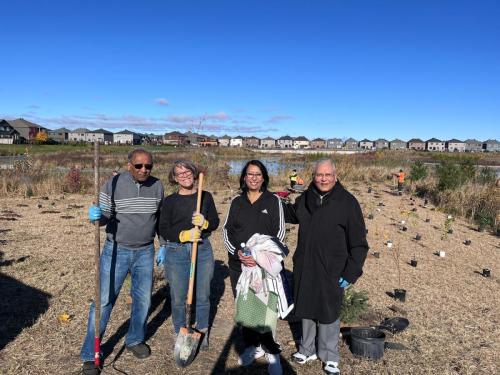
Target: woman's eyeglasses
[(254, 175), (140, 166), (184, 174)]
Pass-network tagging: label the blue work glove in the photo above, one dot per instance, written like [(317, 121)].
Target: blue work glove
[(343, 283), (160, 257), (95, 213)]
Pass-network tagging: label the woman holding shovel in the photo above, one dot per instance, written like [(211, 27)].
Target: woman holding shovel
[(255, 210), (180, 226)]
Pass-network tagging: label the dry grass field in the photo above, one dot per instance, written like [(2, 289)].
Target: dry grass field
[(46, 270)]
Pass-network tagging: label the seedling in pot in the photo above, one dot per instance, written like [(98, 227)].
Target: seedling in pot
[(418, 237), (467, 242), (399, 293)]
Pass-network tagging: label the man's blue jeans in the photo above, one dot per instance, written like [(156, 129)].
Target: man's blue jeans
[(116, 262), (177, 266)]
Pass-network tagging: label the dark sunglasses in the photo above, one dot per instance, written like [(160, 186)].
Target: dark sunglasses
[(147, 166)]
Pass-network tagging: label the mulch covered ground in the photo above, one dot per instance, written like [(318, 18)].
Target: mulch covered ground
[(46, 270)]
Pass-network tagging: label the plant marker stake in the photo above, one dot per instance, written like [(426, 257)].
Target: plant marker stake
[(97, 255)]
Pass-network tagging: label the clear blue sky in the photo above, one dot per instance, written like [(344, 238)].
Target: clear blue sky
[(332, 68)]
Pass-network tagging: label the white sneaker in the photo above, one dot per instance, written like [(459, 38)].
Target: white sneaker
[(247, 357), (302, 359), (259, 352), (274, 367), (332, 367)]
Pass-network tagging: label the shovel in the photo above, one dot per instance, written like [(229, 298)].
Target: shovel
[(188, 339), (97, 255)]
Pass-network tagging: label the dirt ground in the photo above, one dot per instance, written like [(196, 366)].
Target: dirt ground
[(46, 270)]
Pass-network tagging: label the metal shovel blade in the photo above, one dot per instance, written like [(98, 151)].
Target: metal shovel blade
[(185, 346)]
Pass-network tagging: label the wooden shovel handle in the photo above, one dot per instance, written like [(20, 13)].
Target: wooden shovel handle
[(97, 256), (194, 251)]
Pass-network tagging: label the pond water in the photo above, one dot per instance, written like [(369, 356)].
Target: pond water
[(274, 165)]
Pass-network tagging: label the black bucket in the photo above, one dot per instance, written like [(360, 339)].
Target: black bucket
[(368, 342)]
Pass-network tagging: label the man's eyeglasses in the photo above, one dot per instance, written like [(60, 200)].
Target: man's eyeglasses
[(184, 174), (147, 166), (325, 175), (256, 175)]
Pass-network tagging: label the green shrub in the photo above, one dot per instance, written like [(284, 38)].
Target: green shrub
[(418, 171), (449, 176), (467, 170), (353, 305)]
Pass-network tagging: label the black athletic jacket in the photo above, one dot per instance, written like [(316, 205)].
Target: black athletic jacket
[(264, 216)]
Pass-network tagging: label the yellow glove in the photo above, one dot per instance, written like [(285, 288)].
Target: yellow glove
[(199, 221), (191, 235)]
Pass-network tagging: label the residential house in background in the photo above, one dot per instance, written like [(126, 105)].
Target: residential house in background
[(60, 135), (151, 139), (366, 144), (381, 144), (26, 129), (491, 145), (252, 142), (285, 142), (194, 139), (435, 144), (100, 135), (77, 135), (351, 144), (473, 145), (335, 143), (209, 141), (224, 141), (236, 141), (268, 142), (397, 144), (301, 142), (454, 145), (174, 138), (416, 144), (8, 135), (318, 143), (126, 137)]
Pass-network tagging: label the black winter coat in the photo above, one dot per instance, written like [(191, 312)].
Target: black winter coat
[(331, 244)]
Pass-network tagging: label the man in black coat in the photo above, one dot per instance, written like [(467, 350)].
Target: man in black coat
[(330, 254)]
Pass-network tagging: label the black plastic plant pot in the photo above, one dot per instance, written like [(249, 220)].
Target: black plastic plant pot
[(370, 216), (376, 254), (404, 229), (418, 237), (450, 231), (413, 262), (400, 294), (486, 272), (467, 242), (427, 220), (369, 190), (368, 342)]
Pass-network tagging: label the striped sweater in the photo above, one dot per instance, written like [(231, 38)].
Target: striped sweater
[(131, 209)]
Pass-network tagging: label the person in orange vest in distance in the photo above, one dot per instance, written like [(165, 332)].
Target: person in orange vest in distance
[(401, 180)]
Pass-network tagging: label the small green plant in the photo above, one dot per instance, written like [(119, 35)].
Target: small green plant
[(447, 229), (353, 305), (418, 171), (449, 176), (486, 176)]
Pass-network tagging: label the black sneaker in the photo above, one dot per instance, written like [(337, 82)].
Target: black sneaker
[(140, 351), (89, 368)]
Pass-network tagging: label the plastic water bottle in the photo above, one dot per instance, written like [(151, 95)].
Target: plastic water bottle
[(246, 252)]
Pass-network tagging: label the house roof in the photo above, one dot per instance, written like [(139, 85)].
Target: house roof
[(318, 140), (225, 137), (301, 138), (434, 140), (268, 139), (176, 133), (126, 132), (472, 141), (491, 141), (366, 140), (80, 130), (101, 131), (335, 140), (381, 140), (415, 140), (455, 141), (351, 140), (397, 141), (22, 123), (61, 130), (285, 138)]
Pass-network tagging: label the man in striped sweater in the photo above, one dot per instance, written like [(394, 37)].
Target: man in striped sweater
[(129, 207)]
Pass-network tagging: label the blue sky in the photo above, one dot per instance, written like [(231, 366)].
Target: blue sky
[(332, 68)]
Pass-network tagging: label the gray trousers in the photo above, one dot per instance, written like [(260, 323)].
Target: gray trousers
[(328, 339)]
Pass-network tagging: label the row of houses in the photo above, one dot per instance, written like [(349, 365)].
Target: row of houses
[(21, 130)]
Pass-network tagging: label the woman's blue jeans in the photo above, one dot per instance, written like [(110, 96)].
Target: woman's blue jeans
[(177, 267), (116, 262)]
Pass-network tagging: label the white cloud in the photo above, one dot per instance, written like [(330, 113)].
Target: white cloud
[(279, 118), (161, 101)]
